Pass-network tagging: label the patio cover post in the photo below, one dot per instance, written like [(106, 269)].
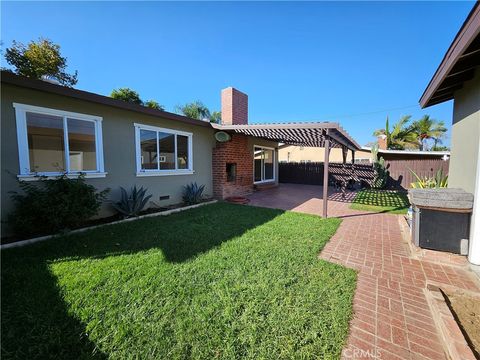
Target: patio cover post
[(325, 173), (353, 165), (344, 170)]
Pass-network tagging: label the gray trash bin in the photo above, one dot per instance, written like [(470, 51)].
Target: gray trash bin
[(441, 219)]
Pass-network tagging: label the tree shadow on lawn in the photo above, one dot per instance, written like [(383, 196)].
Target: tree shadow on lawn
[(383, 198), (35, 319)]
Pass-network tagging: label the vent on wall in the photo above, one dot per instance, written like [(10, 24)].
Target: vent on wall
[(165, 197)]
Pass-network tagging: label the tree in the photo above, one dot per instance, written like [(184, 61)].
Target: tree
[(40, 59), (440, 148), (401, 136), (153, 105), (131, 96), (195, 110), (126, 94), (216, 117), (426, 129)]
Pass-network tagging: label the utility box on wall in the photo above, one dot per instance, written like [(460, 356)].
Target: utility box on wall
[(441, 219)]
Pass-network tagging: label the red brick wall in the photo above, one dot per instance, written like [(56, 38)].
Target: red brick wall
[(234, 107), (382, 142), (238, 152)]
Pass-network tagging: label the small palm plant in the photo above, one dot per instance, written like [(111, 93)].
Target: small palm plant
[(192, 193), (434, 182), (131, 205)]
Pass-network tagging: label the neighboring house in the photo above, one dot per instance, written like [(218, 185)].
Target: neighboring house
[(400, 163), (288, 153), (304, 154), (458, 78), (48, 129)]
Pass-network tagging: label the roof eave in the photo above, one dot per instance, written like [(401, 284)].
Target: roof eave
[(465, 36), (408, 152), (34, 84)]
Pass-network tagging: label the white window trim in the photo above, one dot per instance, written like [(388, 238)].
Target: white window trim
[(22, 139), (263, 170), (156, 172)]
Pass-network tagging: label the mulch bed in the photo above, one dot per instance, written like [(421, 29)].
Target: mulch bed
[(466, 309)]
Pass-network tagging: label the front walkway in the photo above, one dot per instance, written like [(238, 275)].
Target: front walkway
[(392, 318)]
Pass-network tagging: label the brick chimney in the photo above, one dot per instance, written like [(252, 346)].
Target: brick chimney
[(382, 142), (234, 107)]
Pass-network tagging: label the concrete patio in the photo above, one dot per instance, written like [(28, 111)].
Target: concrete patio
[(392, 315)]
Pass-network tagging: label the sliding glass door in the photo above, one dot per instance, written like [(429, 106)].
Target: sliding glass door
[(264, 164)]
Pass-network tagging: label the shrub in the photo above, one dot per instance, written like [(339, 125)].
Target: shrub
[(433, 182), (51, 205), (192, 193), (131, 205)]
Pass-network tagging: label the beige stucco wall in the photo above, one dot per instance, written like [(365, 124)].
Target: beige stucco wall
[(118, 147), (465, 136), (297, 154)]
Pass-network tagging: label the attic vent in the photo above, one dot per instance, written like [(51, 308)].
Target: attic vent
[(50, 80)]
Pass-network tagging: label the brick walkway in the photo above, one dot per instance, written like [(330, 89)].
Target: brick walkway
[(392, 318)]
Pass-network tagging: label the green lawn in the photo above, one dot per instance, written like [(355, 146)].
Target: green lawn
[(220, 281), (388, 201)]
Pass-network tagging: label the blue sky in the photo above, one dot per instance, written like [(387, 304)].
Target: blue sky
[(349, 62)]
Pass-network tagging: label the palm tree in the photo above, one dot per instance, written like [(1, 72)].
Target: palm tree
[(400, 137), (216, 117), (194, 110), (427, 128)]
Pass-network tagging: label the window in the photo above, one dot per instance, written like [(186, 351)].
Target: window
[(162, 151), (264, 164), (52, 142), (363, 161)]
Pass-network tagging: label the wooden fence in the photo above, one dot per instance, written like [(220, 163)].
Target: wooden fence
[(312, 173), (400, 175)]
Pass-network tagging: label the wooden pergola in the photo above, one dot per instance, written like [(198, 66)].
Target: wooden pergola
[(323, 135)]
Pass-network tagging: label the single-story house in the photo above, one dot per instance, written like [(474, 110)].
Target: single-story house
[(458, 78), (48, 129)]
